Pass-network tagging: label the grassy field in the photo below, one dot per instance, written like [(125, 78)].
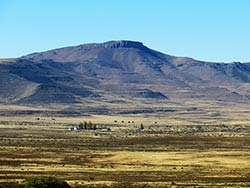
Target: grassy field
[(185, 148)]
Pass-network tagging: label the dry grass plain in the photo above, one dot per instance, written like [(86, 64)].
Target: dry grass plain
[(181, 148)]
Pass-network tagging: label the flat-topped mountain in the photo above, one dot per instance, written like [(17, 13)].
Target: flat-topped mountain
[(118, 72)]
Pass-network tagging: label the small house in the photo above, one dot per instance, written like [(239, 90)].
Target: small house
[(76, 128)]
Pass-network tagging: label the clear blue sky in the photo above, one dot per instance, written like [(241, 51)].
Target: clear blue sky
[(214, 30)]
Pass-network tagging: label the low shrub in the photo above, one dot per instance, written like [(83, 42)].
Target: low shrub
[(45, 182)]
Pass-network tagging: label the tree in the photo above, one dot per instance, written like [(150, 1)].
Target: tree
[(90, 125), (85, 124), (81, 126), (141, 126), (45, 182)]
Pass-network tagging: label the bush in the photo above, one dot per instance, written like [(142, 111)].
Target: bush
[(45, 182)]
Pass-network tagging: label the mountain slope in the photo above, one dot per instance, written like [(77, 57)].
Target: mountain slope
[(118, 71)]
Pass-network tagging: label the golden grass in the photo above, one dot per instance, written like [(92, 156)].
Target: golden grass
[(99, 157), (29, 147)]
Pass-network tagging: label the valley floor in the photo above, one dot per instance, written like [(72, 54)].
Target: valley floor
[(159, 155)]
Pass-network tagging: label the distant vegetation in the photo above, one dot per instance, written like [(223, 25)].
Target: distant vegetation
[(51, 182), (45, 182), (86, 125)]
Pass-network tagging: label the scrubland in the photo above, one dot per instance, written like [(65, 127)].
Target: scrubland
[(192, 148)]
